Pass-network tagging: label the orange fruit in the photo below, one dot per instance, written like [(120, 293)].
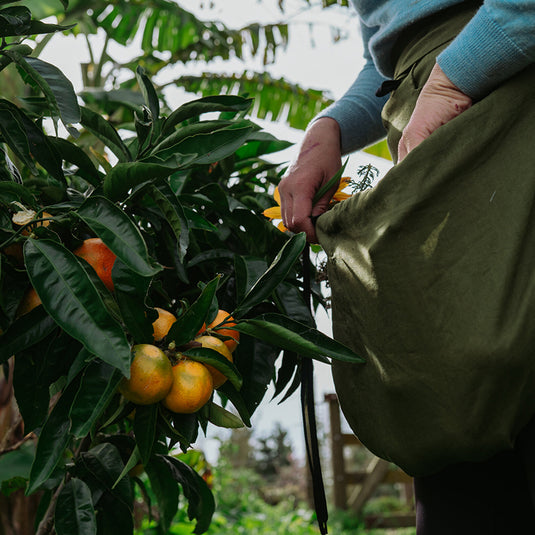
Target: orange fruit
[(28, 302), (162, 324), (100, 258), (221, 325), (218, 345), (151, 376), (192, 387)]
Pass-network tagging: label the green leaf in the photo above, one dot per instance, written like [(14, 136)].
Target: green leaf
[(75, 155), (133, 461), (172, 210), (70, 297), (13, 132), (302, 339), (145, 430), (18, 462), (14, 20), (206, 105), (330, 184), (213, 146), (131, 291), (230, 392), (97, 388), (104, 464), (119, 233), (11, 191), (276, 273), (57, 88), (261, 143), (165, 489), (248, 270), (106, 132), (125, 176), (74, 513), (222, 418), (149, 93), (188, 324), (218, 361), (201, 504), (53, 440), (27, 331)]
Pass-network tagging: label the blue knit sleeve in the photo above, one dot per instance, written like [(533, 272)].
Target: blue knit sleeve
[(358, 111), (497, 43)]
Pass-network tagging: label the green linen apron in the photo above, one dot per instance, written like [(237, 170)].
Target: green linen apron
[(433, 280)]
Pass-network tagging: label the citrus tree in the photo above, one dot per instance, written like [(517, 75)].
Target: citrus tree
[(143, 296)]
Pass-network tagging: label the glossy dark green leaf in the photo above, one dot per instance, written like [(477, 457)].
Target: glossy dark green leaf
[(292, 335), (133, 461), (145, 430), (248, 270), (75, 155), (53, 440), (14, 20), (220, 417), (27, 331), (98, 386), (131, 292), (285, 373), (292, 303), (149, 93), (57, 88), (14, 133), (18, 462), (74, 513), (69, 296), (235, 397), (165, 488), (275, 274), (212, 255), (119, 233), (105, 465), (215, 359), (188, 324), (211, 146), (106, 132), (125, 176), (206, 105), (330, 183), (201, 503), (42, 150), (261, 143), (11, 191), (173, 212)]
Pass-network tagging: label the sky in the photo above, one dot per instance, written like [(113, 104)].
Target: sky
[(313, 59)]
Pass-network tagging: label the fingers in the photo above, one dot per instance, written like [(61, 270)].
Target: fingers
[(439, 102), (318, 160)]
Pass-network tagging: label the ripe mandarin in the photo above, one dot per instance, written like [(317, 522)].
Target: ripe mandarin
[(218, 345), (100, 258), (151, 376), (192, 387)]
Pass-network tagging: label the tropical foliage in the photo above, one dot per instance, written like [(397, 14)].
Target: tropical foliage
[(176, 196)]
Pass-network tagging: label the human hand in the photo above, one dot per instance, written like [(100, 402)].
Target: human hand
[(318, 161), (439, 102)]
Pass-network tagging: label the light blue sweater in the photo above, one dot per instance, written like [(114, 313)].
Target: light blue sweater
[(498, 42)]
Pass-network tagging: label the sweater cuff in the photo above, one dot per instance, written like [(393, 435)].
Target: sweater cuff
[(481, 57)]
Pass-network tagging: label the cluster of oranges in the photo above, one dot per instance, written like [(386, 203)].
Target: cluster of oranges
[(185, 386)]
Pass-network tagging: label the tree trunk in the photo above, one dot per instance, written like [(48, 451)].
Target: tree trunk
[(17, 511)]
